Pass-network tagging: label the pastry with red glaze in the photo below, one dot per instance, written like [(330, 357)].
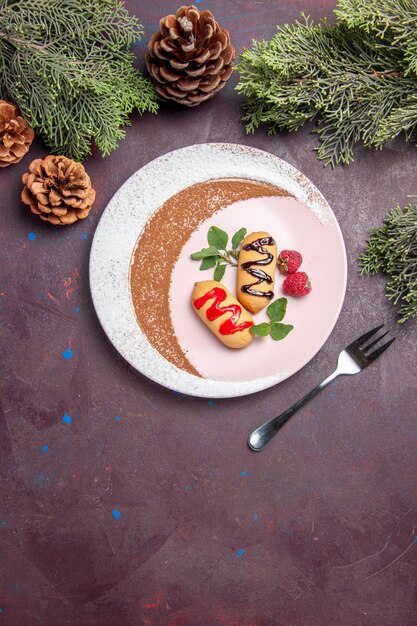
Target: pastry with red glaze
[(222, 313)]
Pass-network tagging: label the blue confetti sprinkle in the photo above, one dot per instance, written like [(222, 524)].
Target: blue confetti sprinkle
[(31, 236), (68, 353), (255, 518), (239, 553), (116, 514), (244, 472), (186, 488), (67, 419), (3, 522), (1, 610), (210, 473), (77, 309), (83, 236), (210, 402), (117, 418), (44, 448)]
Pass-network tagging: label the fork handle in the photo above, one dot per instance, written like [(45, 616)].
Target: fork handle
[(263, 435)]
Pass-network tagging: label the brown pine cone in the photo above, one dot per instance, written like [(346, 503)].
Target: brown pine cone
[(15, 135), (58, 190), (190, 57)]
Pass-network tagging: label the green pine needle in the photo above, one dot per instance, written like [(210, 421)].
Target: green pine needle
[(392, 19), (356, 78), (67, 65), (392, 249)]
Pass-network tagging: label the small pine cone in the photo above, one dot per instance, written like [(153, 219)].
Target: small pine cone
[(58, 190), (190, 57), (15, 135)]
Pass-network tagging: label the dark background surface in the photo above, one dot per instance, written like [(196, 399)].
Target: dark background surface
[(319, 529)]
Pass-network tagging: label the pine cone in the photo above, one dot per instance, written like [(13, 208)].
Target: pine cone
[(15, 135), (58, 190), (190, 57)]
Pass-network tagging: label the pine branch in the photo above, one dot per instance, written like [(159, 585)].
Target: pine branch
[(395, 19), (392, 249), (67, 65), (358, 86)]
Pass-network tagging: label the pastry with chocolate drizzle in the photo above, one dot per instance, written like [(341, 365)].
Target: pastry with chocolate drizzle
[(256, 271)]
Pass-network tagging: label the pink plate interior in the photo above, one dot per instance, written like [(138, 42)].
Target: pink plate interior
[(294, 226)]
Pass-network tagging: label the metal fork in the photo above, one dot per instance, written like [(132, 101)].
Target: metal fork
[(352, 360)]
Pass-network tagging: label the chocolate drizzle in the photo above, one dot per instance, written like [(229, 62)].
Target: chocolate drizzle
[(257, 245)]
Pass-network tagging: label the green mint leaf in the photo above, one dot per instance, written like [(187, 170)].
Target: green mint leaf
[(277, 309), (219, 272), (238, 237), (261, 330), (209, 261), (234, 254), (205, 252), (217, 238), (280, 331)]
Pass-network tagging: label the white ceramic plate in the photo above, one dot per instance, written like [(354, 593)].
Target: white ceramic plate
[(303, 221)]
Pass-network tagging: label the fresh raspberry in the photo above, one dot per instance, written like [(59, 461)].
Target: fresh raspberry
[(289, 261), (297, 284)]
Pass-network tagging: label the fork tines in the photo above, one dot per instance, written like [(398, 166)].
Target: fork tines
[(376, 353), (358, 344), (371, 345), (361, 340)]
